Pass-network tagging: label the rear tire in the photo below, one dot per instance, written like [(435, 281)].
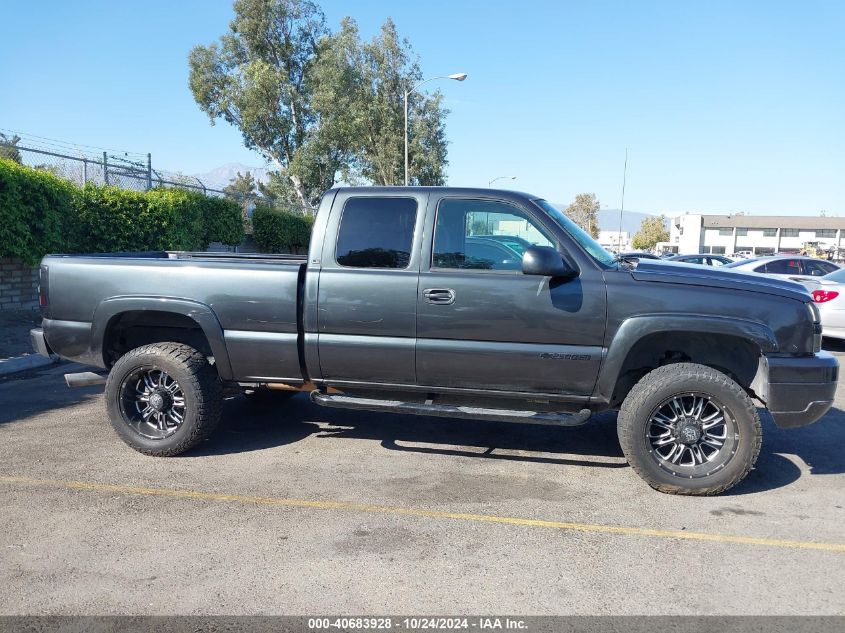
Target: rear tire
[(689, 429), (163, 399)]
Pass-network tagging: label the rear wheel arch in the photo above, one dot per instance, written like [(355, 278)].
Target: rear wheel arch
[(124, 323)]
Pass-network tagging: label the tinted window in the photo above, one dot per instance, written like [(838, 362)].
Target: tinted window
[(818, 269), (376, 232), (781, 267), (483, 235), (693, 260)]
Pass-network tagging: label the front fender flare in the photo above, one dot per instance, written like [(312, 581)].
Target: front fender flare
[(201, 313), (633, 330)]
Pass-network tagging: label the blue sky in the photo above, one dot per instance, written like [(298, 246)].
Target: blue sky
[(724, 106)]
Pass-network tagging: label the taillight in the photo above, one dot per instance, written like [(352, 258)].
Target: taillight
[(44, 290), (823, 296)]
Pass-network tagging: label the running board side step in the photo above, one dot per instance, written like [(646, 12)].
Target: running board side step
[(451, 411)]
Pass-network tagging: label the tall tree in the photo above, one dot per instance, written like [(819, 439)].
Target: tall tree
[(8, 147), (241, 186), (584, 211), (257, 79), (359, 94), (652, 230), (243, 189)]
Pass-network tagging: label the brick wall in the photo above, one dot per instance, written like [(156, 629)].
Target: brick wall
[(18, 285)]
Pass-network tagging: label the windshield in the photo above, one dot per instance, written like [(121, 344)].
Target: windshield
[(577, 233)]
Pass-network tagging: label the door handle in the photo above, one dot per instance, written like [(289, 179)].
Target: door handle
[(439, 296)]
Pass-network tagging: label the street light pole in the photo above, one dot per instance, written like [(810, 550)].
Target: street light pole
[(407, 94), (456, 77), (490, 183)]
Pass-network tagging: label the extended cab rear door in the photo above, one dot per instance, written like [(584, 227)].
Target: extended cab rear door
[(367, 289)]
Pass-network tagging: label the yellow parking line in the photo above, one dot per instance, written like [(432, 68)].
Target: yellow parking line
[(421, 512)]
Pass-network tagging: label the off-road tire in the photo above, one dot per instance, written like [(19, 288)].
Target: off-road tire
[(198, 381), (680, 379)]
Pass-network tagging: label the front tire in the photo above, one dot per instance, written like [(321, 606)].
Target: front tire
[(163, 399), (689, 429)]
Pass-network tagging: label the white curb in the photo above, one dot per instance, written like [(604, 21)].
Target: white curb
[(24, 363)]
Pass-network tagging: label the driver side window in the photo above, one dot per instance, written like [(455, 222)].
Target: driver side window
[(484, 235)]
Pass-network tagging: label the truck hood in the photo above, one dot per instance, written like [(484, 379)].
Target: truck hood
[(659, 271)]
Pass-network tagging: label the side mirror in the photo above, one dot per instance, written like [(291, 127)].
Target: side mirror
[(547, 262)]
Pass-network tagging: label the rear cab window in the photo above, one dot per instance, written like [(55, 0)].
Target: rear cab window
[(376, 233)]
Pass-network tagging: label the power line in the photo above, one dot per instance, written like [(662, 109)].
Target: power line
[(68, 145)]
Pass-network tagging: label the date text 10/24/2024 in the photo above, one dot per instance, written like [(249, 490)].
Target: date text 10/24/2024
[(417, 623)]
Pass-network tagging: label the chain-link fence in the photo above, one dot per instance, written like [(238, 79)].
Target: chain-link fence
[(125, 172)]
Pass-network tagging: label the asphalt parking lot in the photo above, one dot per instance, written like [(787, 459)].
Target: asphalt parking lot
[(302, 510)]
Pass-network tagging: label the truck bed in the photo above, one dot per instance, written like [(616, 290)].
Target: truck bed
[(276, 258), (254, 300)]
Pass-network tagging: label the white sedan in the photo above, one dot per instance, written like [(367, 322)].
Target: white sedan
[(786, 266), (829, 296)]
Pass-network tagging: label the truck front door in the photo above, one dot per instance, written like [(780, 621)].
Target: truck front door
[(483, 324)]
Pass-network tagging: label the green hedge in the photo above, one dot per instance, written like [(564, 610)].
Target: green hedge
[(223, 221), (41, 214), (276, 231), (33, 208)]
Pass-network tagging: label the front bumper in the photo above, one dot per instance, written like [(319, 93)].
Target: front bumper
[(800, 389), (39, 343)]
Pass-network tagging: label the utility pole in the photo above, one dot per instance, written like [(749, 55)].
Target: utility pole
[(149, 171), (105, 168)]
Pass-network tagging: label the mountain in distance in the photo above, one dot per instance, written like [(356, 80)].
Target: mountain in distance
[(631, 220), (219, 177), (609, 219)]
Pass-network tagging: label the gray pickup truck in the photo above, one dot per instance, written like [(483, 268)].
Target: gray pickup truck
[(463, 303)]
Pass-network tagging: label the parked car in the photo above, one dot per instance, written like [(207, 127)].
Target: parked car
[(519, 244), (705, 259), (785, 266), (490, 254), (638, 255), (391, 311), (828, 293)]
